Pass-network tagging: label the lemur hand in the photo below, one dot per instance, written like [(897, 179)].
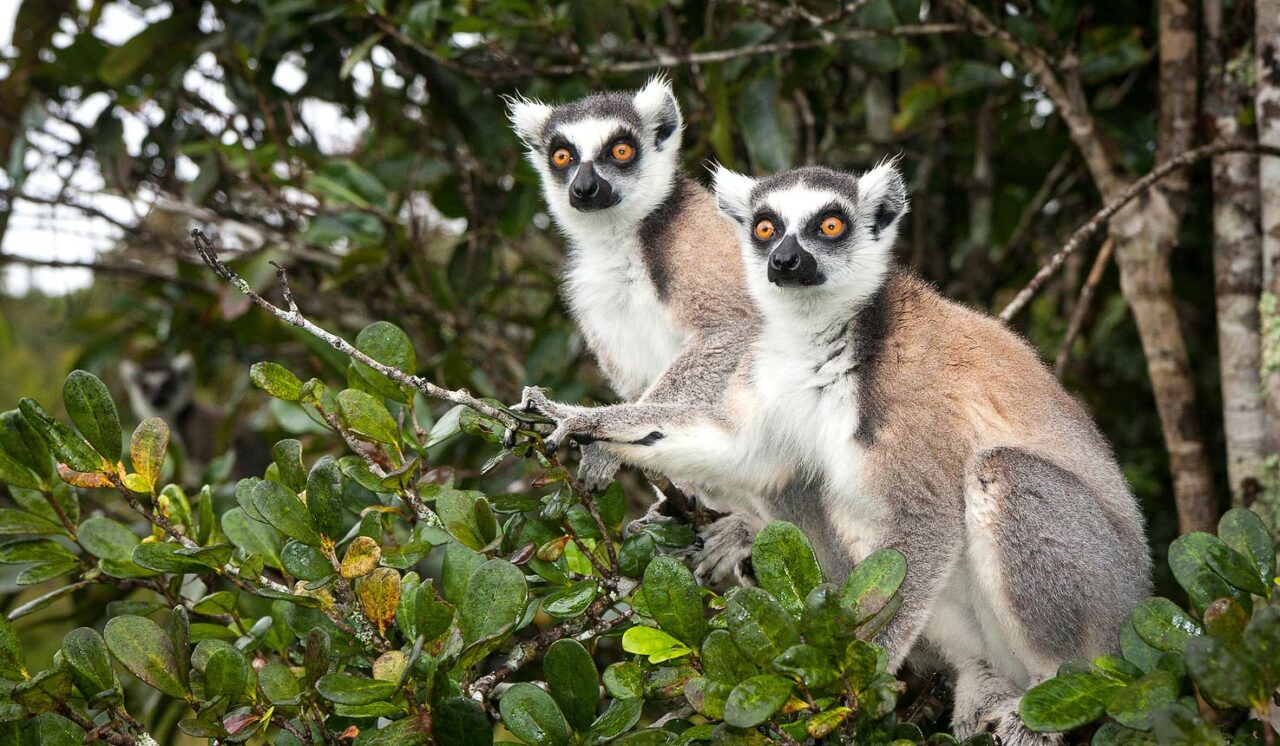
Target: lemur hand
[(572, 422), (724, 557), (597, 467)]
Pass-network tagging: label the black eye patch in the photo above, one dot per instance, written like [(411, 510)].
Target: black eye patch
[(831, 210), (620, 136)]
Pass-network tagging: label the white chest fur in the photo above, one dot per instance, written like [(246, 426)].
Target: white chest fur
[(631, 332)]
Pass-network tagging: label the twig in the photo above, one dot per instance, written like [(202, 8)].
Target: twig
[(204, 247), (1133, 191), (530, 649), (1083, 304), (127, 270)]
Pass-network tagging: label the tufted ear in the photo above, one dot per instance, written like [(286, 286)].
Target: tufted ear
[(528, 118), (883, 194), (733, 192), (658, 109)]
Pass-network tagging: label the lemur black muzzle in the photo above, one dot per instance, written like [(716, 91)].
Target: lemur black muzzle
[(589, 192), (791, 266)]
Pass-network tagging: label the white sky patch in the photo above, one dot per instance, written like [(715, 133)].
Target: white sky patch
[(337, 134), (290, 75)]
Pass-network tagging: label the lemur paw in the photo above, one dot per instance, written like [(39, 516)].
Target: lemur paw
[(597, 467), (533, 399), (1011, 731), (724, 557)]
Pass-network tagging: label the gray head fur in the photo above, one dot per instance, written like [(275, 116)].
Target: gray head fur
[(594, 190)]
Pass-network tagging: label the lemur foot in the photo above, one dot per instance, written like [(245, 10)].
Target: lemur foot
[(572, 423), (597, 467), (1006, 726), (724, 558)]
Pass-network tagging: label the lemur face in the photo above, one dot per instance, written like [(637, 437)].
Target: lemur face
[(611, 153), (815, 228), (160, 387)]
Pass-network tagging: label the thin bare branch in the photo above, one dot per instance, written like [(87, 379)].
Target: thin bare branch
[(1083, 304), (126, 270), (1100, 218)]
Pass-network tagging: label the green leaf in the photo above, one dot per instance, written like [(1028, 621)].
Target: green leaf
[(145, 649), (622, 716), (785, 565), (808, 664), (1223, 674), (753, 701), (226, 674), (1262, 643), (43, 692), (1133, 705), (304, 562), (85, 651), (388, 344), (21, 551), (874, 582), (1243, 531), (325, 486), (367, 417), (1114, 734), (675, 600), (25, 446), (276, 380), (654, 643), (460, 563), (1163, 625), (287, 456), (571, 677), (278, 684), (861, 663), (638, 550), (531, 714), (1175, 725), (761, 628), (92, 410), (163, 556), (624, 680), (347, 689), (67, 446), (122, 64), (283, 510), (493, 602), (1236, 569), (21, 522), (458, 721), (1066, 702), (147, 449), (458, 511), (759, 117), (1135, 649), (723, 662), (825, 621), (252, 536), (1189, 561), (1225, 619), (572, 601), (12, 661)]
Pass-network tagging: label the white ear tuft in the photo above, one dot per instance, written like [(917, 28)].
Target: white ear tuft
[(528, 117), (883, 194), (658, 109), (733, 192)]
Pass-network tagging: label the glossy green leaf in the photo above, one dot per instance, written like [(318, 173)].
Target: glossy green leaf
[(753, 701), (458, 721), (654, 643), (276, 380), (67, 446), (145, 649), (621, 716), (785, 565), (493, 602), (278, 684), (325, 486), (723, 662), (367, 417), (1243, 531), (280, 507), (1224, 674), (675, 600), (573, 682), (571, 601), (353, 690), (226, 674), (532, 715), (92, 410), (807, 663), (1163, 625), (287, 456), (761, 628), (1066, 702), (873, 582), (624, 680), (1133, 705), (1190, 563)]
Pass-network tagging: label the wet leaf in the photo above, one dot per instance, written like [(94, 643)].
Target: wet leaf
[(276, 380), (753, 701), (873, 582), (145, 649), (532, 715), (571, 677), (675, 600), (785, 565), (93, 412), (1163, 625), (67, 446), (353, 690), (761, 628), (1066, 702)]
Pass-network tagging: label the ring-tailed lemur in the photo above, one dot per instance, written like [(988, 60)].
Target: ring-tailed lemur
[(653, 274), (928, 427)]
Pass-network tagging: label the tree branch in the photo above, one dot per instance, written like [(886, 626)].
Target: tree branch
[(1083, 303), (1100, 218), (127, 270), (204, 247)]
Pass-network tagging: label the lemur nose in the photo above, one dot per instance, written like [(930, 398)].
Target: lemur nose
[(784, 261), (585, 184)]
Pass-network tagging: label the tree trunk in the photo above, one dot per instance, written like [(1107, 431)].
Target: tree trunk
[(1267, 109), (1237, 254), (1145, 234)]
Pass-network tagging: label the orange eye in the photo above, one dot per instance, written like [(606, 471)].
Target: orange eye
[(561, 157), (623, 152), (831, 226), (764, 230)]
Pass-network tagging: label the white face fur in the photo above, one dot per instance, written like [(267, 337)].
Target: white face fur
[(816, 243), (625, 145)]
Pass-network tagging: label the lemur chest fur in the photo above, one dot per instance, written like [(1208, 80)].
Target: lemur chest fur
[(628, 327)]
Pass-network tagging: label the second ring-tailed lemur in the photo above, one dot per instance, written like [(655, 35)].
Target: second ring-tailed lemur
[(653, 275), (926, 426)]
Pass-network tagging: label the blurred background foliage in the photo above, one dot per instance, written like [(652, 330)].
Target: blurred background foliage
[(364, 145)]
